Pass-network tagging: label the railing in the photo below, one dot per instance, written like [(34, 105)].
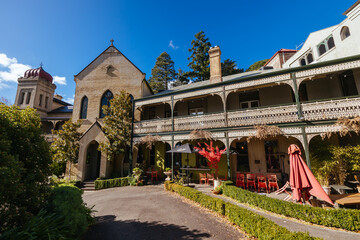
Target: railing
[(259, 116), (331, 109), (153, 126), (215, 120), (312, 111)]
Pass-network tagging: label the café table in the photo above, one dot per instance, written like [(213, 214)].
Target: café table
[(188, 168)]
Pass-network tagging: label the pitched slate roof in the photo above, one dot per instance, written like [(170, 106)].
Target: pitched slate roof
[(64, 109)]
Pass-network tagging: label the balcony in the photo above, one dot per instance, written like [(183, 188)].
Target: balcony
[(312, 111), (153, 126), (331, 109), (265, 115), (214, 120)]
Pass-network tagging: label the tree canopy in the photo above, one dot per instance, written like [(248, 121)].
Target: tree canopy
[(257, 65), (162, 73), (24, 166), (229, 67), (199, 59), (65, 148), (117, 125)]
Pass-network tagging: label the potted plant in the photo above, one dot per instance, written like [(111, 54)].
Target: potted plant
[(137, 176), (213, 155), (167, 173), (323, 175)]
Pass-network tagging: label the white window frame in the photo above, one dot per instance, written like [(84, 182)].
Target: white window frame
[(196, 111), (249, 104)]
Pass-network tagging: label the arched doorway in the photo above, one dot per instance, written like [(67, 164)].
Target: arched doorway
[(93, 160)]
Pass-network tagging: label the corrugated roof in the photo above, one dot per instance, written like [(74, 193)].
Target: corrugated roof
[(64, 109), (238, 76)]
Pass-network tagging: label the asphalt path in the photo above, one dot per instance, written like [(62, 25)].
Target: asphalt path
[(149, 212)]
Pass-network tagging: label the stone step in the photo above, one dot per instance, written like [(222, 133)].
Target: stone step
[(88, 186)]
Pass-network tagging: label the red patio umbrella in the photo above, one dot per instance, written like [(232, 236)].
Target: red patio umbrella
[(302, 180)]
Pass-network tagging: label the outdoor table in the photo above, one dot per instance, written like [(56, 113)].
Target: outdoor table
[(346, 199), (193, 169), (340, 188)]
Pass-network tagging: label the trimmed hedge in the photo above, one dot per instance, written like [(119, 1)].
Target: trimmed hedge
[(252, 223), (348, 219), (110, 183)]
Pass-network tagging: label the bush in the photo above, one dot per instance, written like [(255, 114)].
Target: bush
[(252, 223), (348, 219), (66, 202), (41, 226), (110, 183)]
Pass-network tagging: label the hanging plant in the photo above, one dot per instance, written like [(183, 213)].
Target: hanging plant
[(265, 131), (349, 125), (150, 140), (200, 134)]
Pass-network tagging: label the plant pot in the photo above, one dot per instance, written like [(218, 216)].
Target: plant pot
[(327, 189), (168, 174), (216, 183)]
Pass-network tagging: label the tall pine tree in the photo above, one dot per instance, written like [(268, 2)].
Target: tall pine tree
[(162, 73), (199, 58), (229, 67)]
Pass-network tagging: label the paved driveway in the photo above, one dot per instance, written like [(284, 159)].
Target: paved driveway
[(150, 212)]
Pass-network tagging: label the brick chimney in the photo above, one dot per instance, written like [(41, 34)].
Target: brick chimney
[(215, 64)]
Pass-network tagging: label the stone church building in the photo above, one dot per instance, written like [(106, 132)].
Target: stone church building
[(96, 84)]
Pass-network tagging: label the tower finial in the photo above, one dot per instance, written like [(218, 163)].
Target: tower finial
[(112, 42), (41, 64)]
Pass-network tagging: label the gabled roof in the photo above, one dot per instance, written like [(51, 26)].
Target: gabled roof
[(111, 46), (61, 102), (280, 51), (96, 123), (352, 7), (64, 109)]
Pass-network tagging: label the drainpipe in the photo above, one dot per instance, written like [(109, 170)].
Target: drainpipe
[(172, 137), (132, 136)]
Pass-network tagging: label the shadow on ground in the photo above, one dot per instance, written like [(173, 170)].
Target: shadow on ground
[(106, 227)]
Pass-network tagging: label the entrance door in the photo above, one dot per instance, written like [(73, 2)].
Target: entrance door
[(93, 162)]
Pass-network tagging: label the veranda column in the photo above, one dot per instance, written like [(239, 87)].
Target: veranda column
[(132, 136), (301, 118), (226, 135)]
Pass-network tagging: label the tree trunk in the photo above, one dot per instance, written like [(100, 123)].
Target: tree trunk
[(69, 171)]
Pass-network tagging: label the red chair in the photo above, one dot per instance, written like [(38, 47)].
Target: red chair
[(272, 181), (154, 174), (203, 178), (262, 183), (250, 180), (240, 180), (210, 177)]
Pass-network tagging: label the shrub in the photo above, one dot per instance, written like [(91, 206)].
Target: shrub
[(66, 202), (348, 219), (252, 223), (110, 183), (24, 166), (42, 226)]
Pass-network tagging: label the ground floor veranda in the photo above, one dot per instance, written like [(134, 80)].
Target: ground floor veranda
[(264, 156)]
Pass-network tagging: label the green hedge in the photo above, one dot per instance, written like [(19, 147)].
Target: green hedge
[(252, 223), (348, 219), (66, 217), (110, 183)]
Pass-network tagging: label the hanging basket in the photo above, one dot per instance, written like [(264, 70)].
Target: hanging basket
[(200, 134), (265, 131), (150, 140)]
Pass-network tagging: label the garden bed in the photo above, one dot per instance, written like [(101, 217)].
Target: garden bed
[(252, 223)]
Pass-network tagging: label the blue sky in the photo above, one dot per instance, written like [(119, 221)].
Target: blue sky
[(67, 35)]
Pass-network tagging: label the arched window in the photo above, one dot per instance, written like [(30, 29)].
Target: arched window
[(322, 49), (330, 43), (302, 62), (310, 58), (345, 32), (105, 101), (83, 108)]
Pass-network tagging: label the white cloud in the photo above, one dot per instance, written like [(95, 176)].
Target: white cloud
[(59, 80), (171, 44), (5, 61), (11, 70), (69, 100)]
